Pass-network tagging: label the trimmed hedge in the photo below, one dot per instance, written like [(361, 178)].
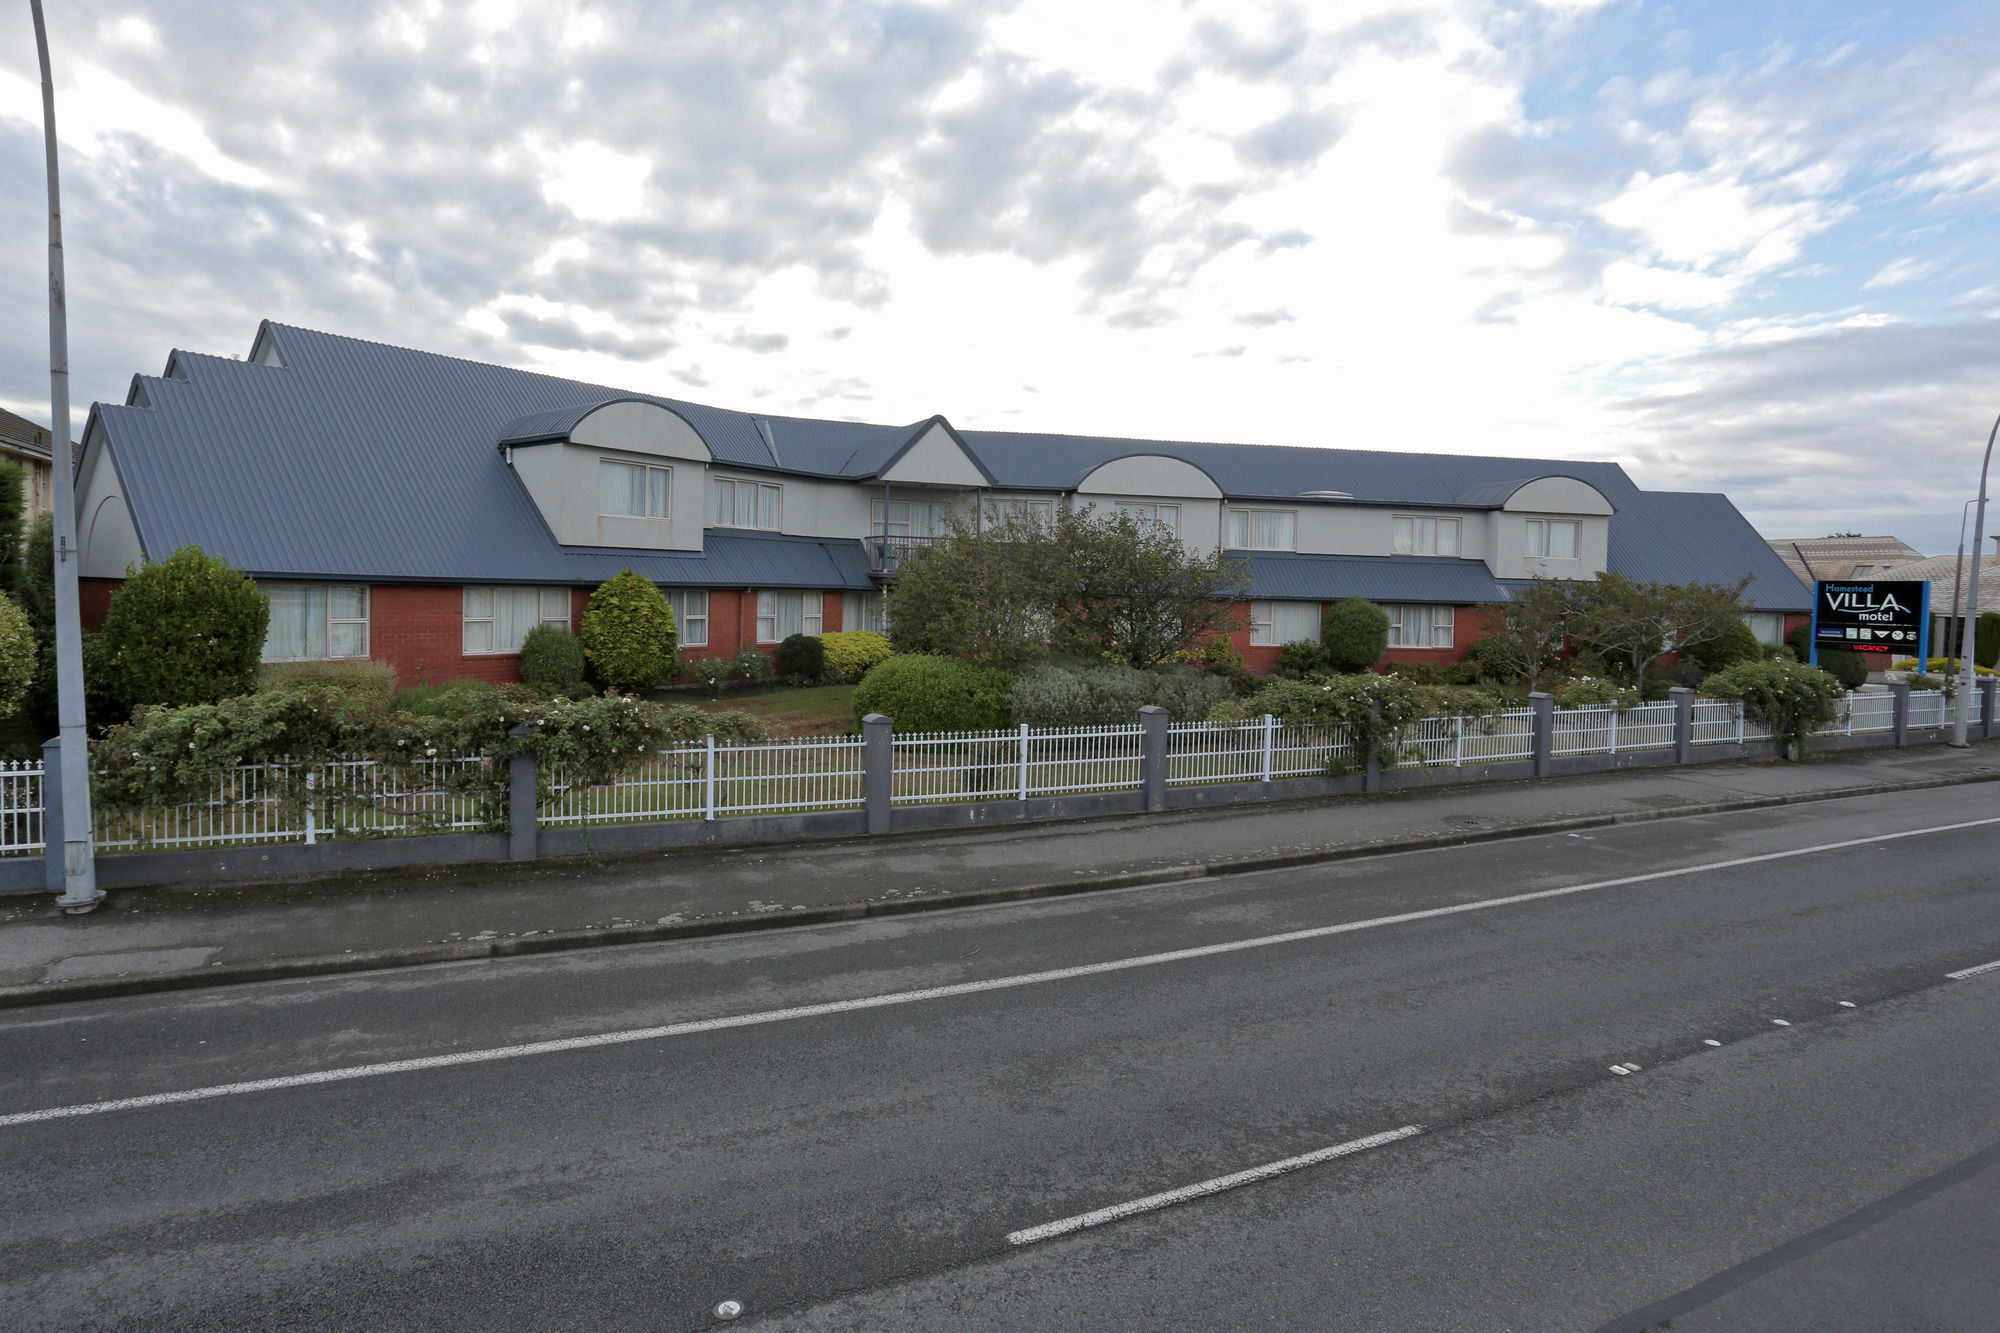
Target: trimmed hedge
[(852, 654), (1986, 640), (629, 635), (1355, 634), (372, 682), (800, 659), (188, 629), (920, 692), (1108, 693), (552, 658)]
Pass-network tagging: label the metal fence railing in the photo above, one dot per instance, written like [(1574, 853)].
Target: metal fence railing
[(1022, 763), (282, 802)]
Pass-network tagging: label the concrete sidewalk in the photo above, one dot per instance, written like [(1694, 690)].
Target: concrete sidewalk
[(174, 937)]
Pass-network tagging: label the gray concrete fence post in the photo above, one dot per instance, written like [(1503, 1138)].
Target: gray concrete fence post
[(52, 820), (1682, 699), (1153, 756), (1899, 716), (523, 813), (1989, 699), (878, 766), (1371, 767), (1544, 737)]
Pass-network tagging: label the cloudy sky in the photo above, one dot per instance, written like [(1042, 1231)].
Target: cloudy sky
[(1735, 246)]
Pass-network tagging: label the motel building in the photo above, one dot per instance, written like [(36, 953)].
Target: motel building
[(427, 511)]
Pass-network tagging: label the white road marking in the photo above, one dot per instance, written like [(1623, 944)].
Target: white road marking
[(1151, 1202), (1848, 1004), (893, 998), (1710, 1041), (1781, 1022), (1963, 973)]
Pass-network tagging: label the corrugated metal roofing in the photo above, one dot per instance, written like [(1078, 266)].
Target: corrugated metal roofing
[(363, 460), (1379, 578)]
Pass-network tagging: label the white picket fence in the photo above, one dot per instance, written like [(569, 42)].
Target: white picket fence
[(357, 797)]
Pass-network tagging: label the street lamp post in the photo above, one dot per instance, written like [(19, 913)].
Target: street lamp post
[(1958, 724), (80, 892)]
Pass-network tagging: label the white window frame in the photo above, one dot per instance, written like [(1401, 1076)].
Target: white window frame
[(1436, 625), (647, 470), (882, 520), (1041, 511), (690, 621), (864, 611), (1266, 622), (1229, 525), (768, 501), (812, 614), (1774, 620), (1424, 534), (547, 602), (1166, 514), (1538, 538), (327, 621)]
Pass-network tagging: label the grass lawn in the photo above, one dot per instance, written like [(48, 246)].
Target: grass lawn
[(823, 710)]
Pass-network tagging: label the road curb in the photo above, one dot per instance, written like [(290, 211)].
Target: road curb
[(375, 960)]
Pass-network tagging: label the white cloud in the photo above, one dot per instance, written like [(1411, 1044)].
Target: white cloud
[(1896, 272), (596, 183)]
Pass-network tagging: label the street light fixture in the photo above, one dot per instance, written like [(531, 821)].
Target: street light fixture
[(1958, 724), (80, 892)]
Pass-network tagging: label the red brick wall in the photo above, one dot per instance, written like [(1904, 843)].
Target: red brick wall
[(1470, 623), (94, 600), (419, 629)]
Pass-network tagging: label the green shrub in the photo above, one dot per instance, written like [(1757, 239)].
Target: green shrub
[(1108, 693), (1938, 666), (629, 636), (1791, 698), (710, 673), (1593, 692), (188, 629), (13, 534), (921, 692), (749, 664), (353, 678), (1986, 640), (1352, 702), (1736, 643), (1355, 634), (1301, 658), (1849, 668), (800, 659), (851, 654), (552, 659), (17, 656)]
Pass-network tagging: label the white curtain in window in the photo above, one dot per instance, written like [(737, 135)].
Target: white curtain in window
[(1562, 541), (691, 616), (298, 623), (1263, 529), (1262, 630), (1292, 621), (498, 619)]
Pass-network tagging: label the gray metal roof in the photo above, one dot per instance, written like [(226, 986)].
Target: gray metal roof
[(1379, 578), (361, 460)]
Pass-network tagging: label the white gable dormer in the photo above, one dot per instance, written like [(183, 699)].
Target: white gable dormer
[(935, 457)]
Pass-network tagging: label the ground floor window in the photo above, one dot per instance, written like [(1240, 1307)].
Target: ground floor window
[(313, 622), (1283, 622), (783, 614), (1768, 626), (863, 611), (690, 615), (1421, 626), (498, 619)]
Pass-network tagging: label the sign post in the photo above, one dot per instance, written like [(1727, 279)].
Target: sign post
[(1889, 617)]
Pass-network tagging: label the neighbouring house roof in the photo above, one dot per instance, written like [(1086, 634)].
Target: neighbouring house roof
[(362, 460), (1940, 571), (21, 435), (1812, 558)]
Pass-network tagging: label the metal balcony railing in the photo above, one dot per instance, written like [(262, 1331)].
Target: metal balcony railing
[(886, 552)]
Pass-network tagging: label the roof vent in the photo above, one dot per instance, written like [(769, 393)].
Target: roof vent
[(1326, 495)]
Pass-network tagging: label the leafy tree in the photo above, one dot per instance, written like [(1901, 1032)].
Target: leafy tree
[(1533, 627), (628, 632), (1634, 624), (17, 656), (1355, 634), (188, 629), (13, 528), (1012, 587)]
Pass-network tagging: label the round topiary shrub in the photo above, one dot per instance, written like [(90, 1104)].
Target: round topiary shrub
[(1850, 669), (1301, 657), (188, 629), (1355, 634), (852, 654), (1737, 643), (552, 659), (629, 636), (800, 659), (919, 692)]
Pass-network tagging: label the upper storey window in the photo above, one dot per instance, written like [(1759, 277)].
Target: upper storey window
[(1166, 515), (906, 518), (1553, 539), (1264, 529), (1416, 535), (629, 490), (748, 504)]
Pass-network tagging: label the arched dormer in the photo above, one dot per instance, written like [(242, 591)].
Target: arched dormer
[(619, 472), (1149, 476), (1551, 526)]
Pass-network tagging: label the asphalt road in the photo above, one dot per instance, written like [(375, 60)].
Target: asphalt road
[(622, 1139)]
